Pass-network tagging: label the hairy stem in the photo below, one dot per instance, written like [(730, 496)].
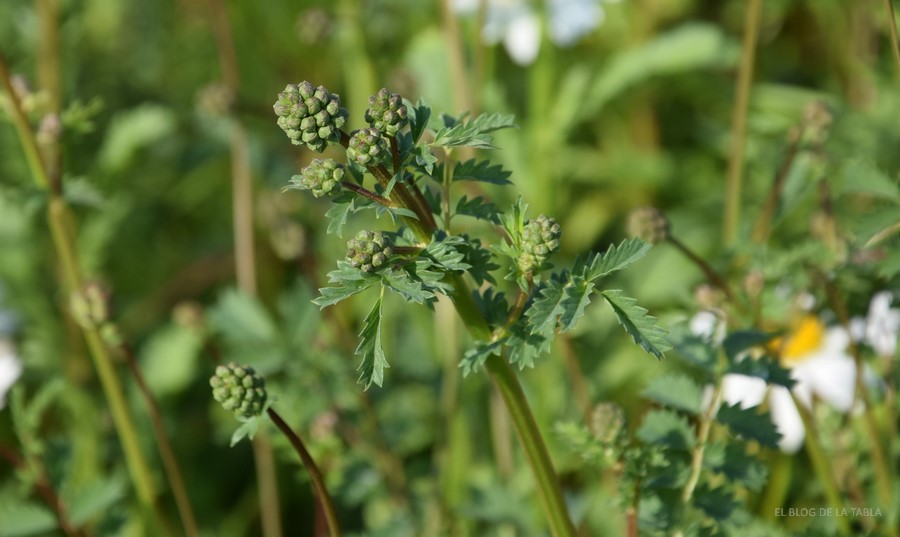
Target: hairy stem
[(711, 275), (244, 245), (733, 185), (170, 463), (706, 420), (821, 464), (318, 482), (892, 27), (62, 231)]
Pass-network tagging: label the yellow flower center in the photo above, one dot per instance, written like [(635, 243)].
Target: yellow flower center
[(806, 337)]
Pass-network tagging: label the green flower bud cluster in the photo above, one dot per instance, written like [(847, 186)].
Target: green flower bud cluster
[(369, 251), (649, 224), (367, 147), (239, 389), (323, 177), (310, 115), (540, 239), (90, 306), (386, 112)]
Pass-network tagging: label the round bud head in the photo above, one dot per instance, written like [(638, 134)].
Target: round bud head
[(386, 112), (367, 147), (90, 305), (322, 177), (607, 420), (369, 251), (239, 389), (540, 239), (649, 224), (310, 115)]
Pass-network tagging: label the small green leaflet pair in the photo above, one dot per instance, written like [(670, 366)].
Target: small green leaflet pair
[(559, 303), (556, 305)]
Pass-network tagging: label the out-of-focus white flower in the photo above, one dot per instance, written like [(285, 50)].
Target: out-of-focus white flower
[(10, 369), (880, 327), (517, 25), (818, 360)]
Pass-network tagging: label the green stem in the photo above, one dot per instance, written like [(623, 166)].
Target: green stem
[(706, 420), (821, 464), (739, 123), (170, 463), (63, 239), (892, 26), (318, 482), (500, 371), (507, 383)]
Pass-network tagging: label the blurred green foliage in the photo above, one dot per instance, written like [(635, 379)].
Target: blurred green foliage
[(637, 112)]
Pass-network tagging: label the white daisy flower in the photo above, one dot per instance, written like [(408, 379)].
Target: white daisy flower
[(818, 360), (10, 369), (517, 25), (880, 327)]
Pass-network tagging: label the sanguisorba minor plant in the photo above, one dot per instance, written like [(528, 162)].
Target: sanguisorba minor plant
[(403, 165)]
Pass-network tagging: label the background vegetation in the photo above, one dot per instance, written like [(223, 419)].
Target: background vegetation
[(167, 148)]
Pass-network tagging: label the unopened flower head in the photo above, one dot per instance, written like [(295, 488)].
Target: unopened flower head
[(540, 239), (386, 112), (310, 115), (367, 147), (649, 224), (369, 251), (239, 389), (322, 177), (90, 305), (607, 421)]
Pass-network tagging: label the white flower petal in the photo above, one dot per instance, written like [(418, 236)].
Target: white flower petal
[(10, 369), (787, 419), (570, 20), (831, 377), (743, 389), (523, 39)]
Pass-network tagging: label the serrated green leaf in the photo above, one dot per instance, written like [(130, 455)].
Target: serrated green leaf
[(559, 303), (418, 116), (677, 391), (424, 158), (732, 461), (642, 327), (19, 519), (766, 368), (480, 260), (337, 217), (693, 349), (349, 280), (737, 342), (861, 177), (374, 361), (614, 259), (345, 289), (667, 428), (95, 499), (248, 428), (718, 503), (478, 208), (475, 358), (481, 171), (399, 281), (523, 346), (749, 423), (493, 306), (445, 252), (459, 132)]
